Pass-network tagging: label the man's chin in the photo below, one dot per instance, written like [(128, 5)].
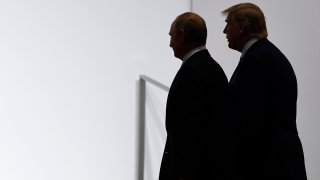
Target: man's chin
[(231, 46)]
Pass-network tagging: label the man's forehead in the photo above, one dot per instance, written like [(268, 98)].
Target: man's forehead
[(229, 18), (172, 27)]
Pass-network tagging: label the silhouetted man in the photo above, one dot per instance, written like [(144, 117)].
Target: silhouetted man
[(195, 106)]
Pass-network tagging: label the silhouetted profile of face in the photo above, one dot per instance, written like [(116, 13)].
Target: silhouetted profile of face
[(175, 40), (233, 33)]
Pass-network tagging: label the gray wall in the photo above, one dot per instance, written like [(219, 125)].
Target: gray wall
[(293, 26), (69, 71), (68, 84)]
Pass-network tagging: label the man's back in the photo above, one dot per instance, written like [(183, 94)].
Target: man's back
[(263, 95), (194, 119)]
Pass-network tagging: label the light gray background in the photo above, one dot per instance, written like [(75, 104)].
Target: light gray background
[(68, 84), (69, 71)]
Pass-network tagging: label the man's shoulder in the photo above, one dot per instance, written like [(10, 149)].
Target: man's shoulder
[(263, 49), (263, 45)]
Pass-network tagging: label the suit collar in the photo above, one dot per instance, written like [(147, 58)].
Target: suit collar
[(248, 45), (192, 52), (256, 44)]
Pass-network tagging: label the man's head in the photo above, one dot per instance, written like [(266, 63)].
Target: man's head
[(187, 32), (244, 22)]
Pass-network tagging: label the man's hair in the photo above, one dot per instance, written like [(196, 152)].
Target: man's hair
[(194, 26), (250, 16)]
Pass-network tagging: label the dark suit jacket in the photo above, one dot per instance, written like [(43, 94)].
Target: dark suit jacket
[(194, 120), (263, 95)]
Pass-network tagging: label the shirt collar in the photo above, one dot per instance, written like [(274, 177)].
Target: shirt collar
[(248, 45), (192, 52)]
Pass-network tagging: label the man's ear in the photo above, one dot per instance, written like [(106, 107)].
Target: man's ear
[(182, 35), (242, 29)]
